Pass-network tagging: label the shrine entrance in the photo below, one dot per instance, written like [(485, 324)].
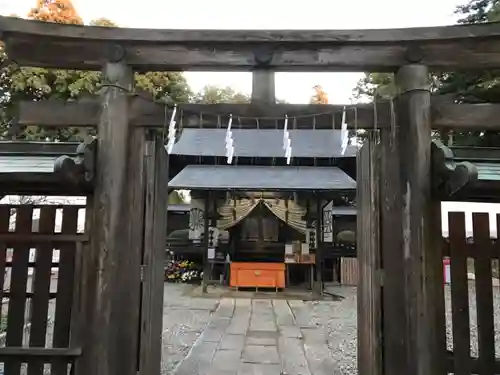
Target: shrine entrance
[(402, 177)]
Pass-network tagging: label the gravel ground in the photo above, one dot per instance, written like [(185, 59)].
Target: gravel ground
[(184, 319), (473, 318), (338, 319)]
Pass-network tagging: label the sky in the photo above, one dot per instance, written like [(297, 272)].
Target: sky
[(265, 14)]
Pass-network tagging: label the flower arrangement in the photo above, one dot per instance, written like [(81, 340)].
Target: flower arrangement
[(182, 272)]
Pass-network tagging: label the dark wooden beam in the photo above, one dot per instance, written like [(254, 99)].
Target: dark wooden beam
[(40, 184), (21, 148), (463, 153), (49, 354), (143, 113), (18, 27), (465, 116), (33, 43)]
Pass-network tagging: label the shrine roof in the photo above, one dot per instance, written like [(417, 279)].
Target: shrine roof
[(488, 171), (252, 177), (319, 143), (27, 164)]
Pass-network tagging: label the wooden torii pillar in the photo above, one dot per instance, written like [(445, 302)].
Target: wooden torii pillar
[(123, 266), (410, 265)]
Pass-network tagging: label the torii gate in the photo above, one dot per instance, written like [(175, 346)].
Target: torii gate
[(131, 169)]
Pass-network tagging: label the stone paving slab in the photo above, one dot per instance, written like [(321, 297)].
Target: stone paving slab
[(291, 331), (212, 335), (293, 359), (319, 359), (226, 360), (232, 342), (261, 354), (199, 360), (259, 369), (261, 337)]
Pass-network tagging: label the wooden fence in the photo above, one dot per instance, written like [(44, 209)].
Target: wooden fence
[(349, 271), (473, 325), (40, 258)]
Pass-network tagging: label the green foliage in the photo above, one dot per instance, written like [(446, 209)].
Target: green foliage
[(212, 95), (479, 11), (168, 86), (18, 84), (463, 87), (475, 87), (176, 198), (103, 22), (373, 85)]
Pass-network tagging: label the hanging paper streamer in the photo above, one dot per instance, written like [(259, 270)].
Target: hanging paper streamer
[(171, 132), (344, 133), (286, 134), (229, 141), (287, 142)]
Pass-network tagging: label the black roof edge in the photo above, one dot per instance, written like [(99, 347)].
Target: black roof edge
[(28, 148)]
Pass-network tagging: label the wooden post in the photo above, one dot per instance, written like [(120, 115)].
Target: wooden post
[(318, 285), (153, 259), (206, 265), (413, 121), (113, 304), (368, 250), (437, 317), (391, 239), (263, 87)]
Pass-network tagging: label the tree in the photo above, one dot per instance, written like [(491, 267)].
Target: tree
[(103, 22), (211, 94), (477, 87), (319, 96), (463, 87), (479, 11), (58, 11), (17, 84), (176, 197), (380, 85)]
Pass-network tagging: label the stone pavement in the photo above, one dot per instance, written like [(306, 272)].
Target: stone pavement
[(260, 337), (184, 320)]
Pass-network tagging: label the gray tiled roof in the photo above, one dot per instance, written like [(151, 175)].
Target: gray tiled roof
[(181, 207), (253, 177), (33, 164), (344, 211), (488, 171), (321, 143)]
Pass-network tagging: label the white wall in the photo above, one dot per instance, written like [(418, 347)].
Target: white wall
[(491, 208)]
